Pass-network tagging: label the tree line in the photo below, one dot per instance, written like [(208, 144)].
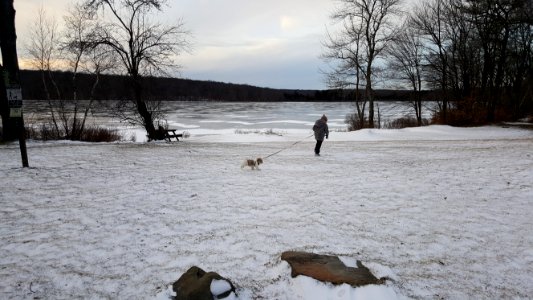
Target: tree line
[(476, 54), (116, 87)]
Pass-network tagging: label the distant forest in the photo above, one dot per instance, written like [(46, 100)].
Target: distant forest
[(117, 87)]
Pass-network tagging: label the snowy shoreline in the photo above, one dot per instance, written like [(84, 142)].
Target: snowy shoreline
[(444, 212)]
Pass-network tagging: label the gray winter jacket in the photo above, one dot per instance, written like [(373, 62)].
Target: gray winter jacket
[(321, 129)]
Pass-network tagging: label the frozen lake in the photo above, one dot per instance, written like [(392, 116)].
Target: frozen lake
[(260, 115), (206, 118)]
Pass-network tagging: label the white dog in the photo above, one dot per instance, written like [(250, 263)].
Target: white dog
[(254, 164)]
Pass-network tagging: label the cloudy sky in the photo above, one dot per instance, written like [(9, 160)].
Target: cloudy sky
[(274, 43)]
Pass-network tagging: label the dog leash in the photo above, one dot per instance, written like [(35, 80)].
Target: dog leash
[(289, 146)]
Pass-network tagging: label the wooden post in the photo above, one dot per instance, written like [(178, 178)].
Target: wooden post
[(13, 92)]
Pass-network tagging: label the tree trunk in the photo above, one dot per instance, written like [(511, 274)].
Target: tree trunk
[(370, 97), (9, 125), (91, 100), (142, 109), (360, 107), (11, 77), (419, 97), (418, 109)]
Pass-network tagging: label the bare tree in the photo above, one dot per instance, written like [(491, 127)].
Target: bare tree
[(42, 50), (496, 22), (463, 51), (406, 52), (345, 51), (430, 20), (78, 40), (373, 20), (81, 53), (142, 46), (479, 54), (520, 66)]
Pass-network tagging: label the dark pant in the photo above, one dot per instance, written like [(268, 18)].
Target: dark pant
[(317, 147)]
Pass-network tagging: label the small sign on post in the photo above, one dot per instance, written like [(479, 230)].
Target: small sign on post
[(14, 98), (15, 112)]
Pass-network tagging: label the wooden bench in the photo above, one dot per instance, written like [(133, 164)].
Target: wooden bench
[(171, 133)]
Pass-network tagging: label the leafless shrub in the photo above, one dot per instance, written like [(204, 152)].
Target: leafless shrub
[(404, 123), (354, 122), (43, 132), (100, 134), (48, 132)]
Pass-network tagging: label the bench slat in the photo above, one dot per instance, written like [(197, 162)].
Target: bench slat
[(171, 133)]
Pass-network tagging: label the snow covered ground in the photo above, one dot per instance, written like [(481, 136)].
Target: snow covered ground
[(445, 213)]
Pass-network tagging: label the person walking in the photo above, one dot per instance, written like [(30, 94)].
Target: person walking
[(321, 130)]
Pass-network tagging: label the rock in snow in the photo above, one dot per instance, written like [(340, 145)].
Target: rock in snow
[(196, 284), (328, 268)]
